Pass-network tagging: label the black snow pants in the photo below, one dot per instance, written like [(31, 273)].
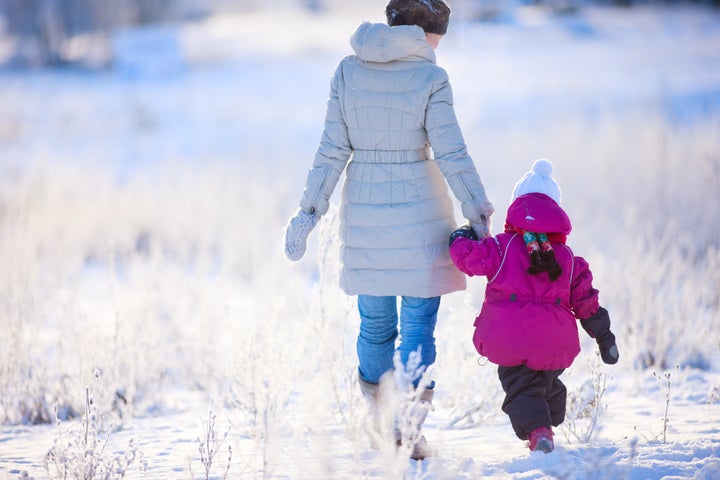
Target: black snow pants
[(533, 398)]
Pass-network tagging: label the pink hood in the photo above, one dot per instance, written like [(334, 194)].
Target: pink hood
[(536, 212)]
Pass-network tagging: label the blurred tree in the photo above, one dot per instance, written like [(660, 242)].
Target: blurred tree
[(58, 32), (37, 27), (153, 11), (314, 6), (51, 32)]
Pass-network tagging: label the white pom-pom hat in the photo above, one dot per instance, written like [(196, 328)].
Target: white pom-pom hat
[(538, 180)]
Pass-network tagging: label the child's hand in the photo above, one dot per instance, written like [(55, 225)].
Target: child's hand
[(466, 231), (608, 348)]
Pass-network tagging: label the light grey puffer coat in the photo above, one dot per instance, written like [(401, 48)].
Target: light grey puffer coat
[(388, 104)]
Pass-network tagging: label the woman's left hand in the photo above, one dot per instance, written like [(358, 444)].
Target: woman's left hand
[(482, 229)]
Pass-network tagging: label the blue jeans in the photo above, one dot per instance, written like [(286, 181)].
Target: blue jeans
[(379, 330)]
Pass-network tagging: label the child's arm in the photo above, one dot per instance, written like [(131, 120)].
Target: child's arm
[(475, 257), (598, 327), (594, 319)]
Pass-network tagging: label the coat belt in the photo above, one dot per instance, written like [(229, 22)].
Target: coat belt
[(391, 156)]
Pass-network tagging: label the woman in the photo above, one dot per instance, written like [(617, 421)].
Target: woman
[(390, 122)]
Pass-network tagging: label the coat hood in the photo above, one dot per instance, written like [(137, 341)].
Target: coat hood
[(536, 212), (378, 42)]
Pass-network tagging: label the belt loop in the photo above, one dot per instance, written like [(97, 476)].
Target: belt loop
[(422, 153)]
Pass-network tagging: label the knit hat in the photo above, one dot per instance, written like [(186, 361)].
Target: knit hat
[(432, 16), (538, 180)]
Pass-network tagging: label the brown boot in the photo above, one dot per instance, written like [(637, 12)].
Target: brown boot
[(409, 427), (369, 390), (373, 423), (405, 416)]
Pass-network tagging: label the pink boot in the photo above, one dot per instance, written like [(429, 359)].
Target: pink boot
[(541, 439)]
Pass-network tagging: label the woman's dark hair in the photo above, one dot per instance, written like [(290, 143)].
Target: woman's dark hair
[(433, 16)]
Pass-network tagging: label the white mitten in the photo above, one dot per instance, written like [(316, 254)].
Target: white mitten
[(482, 229), (296, 234)]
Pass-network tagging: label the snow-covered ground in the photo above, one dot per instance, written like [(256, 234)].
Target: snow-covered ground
[(141, 217)]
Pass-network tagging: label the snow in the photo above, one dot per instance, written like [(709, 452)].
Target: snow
[(141, 219)]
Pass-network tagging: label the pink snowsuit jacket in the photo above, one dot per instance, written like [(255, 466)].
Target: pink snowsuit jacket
[(528, 319)]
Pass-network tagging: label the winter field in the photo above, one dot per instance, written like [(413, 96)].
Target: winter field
[(152, 328)]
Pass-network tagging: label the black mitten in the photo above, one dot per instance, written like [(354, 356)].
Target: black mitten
[(466, 231), (598, 327), (608, 348)]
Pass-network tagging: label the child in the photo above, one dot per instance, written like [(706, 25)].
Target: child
[(536, 289)]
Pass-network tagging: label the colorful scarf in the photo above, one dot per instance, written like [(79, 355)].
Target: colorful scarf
[(551, 236)]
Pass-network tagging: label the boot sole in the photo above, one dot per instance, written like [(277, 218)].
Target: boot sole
[(544, 445)]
